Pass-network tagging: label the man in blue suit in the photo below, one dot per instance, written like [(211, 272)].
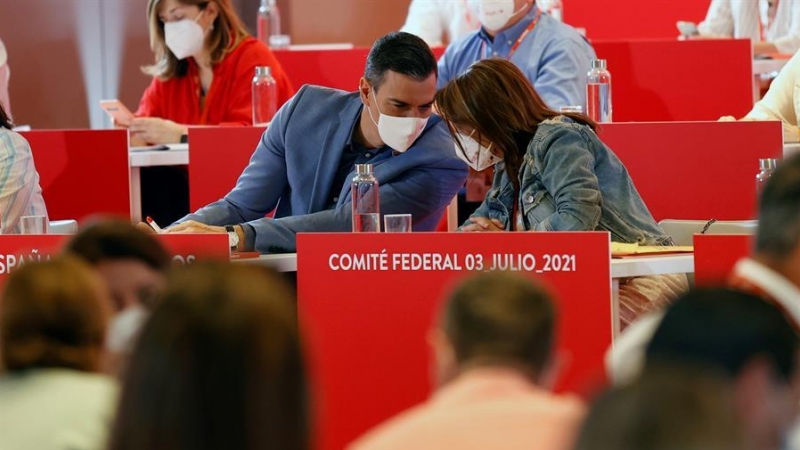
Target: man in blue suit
[(304, 163)]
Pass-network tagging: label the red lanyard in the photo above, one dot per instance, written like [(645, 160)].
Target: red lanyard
[(520, 39), (762, 34)]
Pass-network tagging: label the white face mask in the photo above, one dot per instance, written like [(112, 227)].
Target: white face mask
[(475, 155), (399, 133), (494, 14), (184, 37)]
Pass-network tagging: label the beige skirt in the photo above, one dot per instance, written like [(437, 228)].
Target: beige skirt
[(642, 295)]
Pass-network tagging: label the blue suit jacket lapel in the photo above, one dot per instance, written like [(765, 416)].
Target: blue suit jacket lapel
[(336, 137)]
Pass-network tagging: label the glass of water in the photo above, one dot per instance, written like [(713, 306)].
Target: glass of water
[(367, 223), (32, 225), (397, 223)]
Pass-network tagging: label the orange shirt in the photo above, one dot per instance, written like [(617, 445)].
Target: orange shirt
[(229, 99)]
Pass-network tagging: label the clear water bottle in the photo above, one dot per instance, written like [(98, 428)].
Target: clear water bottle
[(366, 201), (767, 166), (598, 92), (265, 93), (269, 21)]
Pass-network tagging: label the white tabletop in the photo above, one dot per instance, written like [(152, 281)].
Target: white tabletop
[(284, 262), (620, 268), (177, 155), (768, 65), (636, 266)]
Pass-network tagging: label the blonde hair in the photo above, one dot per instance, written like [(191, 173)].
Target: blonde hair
[(227, 33)]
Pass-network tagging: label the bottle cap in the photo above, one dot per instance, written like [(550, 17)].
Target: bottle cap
[(262, 71), (768, 163), (363, 169), (599, 64)]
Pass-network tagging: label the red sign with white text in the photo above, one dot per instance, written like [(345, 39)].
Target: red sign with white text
[(716, 254), (17, 250), (367, 301), (188, 248)]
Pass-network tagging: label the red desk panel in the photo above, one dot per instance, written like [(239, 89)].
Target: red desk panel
[(632, 19), (365, 330), (340, 69), (670, 80), (217, 156), (716, 254), (698, 170), (82, 172)]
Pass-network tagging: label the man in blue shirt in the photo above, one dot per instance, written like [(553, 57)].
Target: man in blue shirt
[(553, 56), (303, 165)]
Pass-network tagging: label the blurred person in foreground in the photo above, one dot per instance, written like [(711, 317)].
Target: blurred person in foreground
[(753, 343), (217, 366), (20, 192), (133, 263), (669, 408), (53, 319), (5, 75), (493, 352), (771, 272), (551, 172)]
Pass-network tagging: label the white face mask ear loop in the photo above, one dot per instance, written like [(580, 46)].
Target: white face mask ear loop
[(372, 92)]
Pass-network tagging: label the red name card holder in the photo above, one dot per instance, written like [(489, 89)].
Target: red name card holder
[(366, 303), (716, 254), (17, 250), (188, 248)]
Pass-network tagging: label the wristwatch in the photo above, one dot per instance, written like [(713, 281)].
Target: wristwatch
[(233, 238)]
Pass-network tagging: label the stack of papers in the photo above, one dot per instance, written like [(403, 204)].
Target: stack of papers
[(621, 249)]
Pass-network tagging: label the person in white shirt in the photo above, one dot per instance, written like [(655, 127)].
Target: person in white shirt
[(782, 101), (772, 25), (20, 193), (439, 22), (5, 74), (53, 318)]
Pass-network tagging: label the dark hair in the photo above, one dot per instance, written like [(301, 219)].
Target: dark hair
[(494, 98), (399, 52), (229, 31), (779, 211), (115, 240), (725, 329), (500, 318), (5, 121), (217, 366), (665, 409), (53, 315)]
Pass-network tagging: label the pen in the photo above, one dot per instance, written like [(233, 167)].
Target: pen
[(154, 225)]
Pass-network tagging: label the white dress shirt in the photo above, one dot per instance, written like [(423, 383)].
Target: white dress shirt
[(745, 19), (782, 101)]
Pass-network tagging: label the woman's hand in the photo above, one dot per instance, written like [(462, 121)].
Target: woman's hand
[(156, 131), (483, 224)]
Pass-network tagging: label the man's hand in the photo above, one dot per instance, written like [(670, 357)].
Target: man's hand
[(156, 131), (483, 224), (192, 226)]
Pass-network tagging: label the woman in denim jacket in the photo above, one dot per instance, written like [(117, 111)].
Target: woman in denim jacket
[(552, 172)]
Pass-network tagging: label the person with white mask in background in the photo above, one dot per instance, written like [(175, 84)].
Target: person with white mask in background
[(553, 56), (305, 161), (772, 25), (440, 22), (204, 65)]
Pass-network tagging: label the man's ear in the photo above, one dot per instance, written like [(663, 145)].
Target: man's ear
[(444, 356), (548, 375), (364, 91)]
